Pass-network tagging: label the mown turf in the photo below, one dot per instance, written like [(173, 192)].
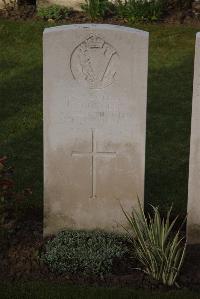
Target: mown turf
[(55, 291), (169, 116), (169, 109)]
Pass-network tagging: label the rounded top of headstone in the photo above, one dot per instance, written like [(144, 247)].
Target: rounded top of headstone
[(96, 27)]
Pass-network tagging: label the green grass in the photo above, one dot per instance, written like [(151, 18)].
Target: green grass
[(168, 131), (169, 116), (169, 109), (55, 291)]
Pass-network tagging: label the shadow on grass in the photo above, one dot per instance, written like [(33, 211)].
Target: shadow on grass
[(168, 135), (20, 88), (168, 117)]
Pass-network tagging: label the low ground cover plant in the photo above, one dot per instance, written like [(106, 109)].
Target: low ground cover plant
[(140, 10), (132, 10), (179, 4), (54, 12), (84, 252), (159, 250), (98, 8)]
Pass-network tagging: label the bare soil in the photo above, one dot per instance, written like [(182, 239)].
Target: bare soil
[(19, 260)]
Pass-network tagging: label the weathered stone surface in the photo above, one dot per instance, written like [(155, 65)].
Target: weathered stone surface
[(75, 4), (193, 222), (95, 91)]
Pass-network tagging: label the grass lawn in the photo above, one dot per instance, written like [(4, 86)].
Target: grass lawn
[(55, 291), (169, 109), (168, 131)]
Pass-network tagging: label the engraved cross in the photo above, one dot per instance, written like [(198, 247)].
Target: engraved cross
[(94, 154)]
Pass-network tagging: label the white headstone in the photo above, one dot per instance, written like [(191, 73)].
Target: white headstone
[(193, 220), (95, 94)]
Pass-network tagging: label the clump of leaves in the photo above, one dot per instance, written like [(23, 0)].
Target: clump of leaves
[(98, 8), (179, 4), (84, 252), (140, 10), (54, 12), (159, 250)]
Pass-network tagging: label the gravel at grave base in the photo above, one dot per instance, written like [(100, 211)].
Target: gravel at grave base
[(20, 261)]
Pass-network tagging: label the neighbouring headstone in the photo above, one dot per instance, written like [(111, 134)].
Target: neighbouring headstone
[(193, 218), (95, 94)]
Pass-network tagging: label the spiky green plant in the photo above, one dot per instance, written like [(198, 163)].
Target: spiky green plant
[(98, 8), (159, 250)]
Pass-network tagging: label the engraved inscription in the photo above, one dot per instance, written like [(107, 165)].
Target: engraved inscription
[(94, 63), (94, 154), (96, 112)]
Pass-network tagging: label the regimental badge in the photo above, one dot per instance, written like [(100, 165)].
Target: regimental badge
[(94, 63)]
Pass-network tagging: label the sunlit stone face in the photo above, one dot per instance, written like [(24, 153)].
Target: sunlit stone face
[(193, 219), (95, 85)]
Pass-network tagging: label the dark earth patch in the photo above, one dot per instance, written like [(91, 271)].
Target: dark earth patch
[(20, 261)]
